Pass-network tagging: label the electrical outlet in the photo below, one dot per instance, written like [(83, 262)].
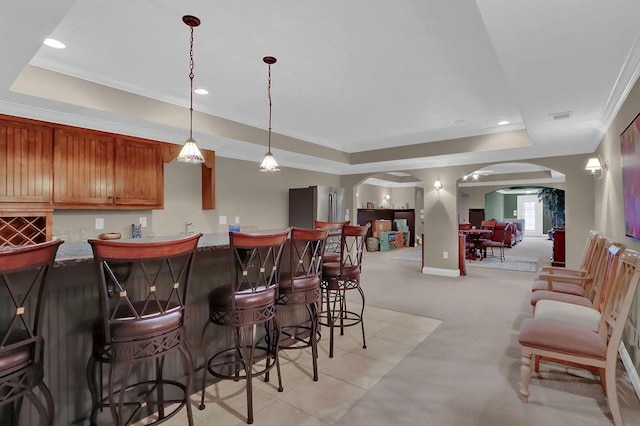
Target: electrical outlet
[(143, 221), (445, 254), (223, 220), (237, 219), (99, 223)]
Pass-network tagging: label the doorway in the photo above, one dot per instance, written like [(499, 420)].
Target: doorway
[(530, 209)]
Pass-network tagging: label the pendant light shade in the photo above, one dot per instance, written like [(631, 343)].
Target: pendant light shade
[(269, 163), (190, 153)]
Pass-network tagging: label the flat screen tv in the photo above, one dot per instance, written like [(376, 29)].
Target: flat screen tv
[(630, 152)]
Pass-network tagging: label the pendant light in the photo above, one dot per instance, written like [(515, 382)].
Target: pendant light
[(269, 163), (190, 152)]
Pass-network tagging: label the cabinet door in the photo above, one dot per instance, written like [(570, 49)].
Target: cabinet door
[(25, 162), (82, 168), (139, 173)]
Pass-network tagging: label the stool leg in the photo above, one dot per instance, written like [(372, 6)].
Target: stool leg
[(205, 368), (112, 402), (185, 351), (45, 419), (160, 386), (330, 322), (247, 360), (276, 349), (50, 407), (312, 308), (91, 376), (364, 341)]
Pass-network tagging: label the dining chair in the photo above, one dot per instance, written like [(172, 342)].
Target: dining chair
[(573, 283), (300, 286), (340, 277), (142, 310), (592, 288), (24, 273), (498, 239), (242, 305), (572, 309), (581, 347), (332, 245), (590, 251)]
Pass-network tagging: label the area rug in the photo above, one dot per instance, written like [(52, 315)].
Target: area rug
[(512, 263)]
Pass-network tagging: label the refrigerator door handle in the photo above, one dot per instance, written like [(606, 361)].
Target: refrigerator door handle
[(331, 215)]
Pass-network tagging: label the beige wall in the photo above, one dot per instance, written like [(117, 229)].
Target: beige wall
[(259, 199), (609, 204)]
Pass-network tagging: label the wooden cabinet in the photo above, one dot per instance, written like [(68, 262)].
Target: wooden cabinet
[(139, 173), (558, 247), (25, 162), (83, 167), (96, 170)]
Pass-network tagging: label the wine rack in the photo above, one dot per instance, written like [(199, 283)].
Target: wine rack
[(26, 229)]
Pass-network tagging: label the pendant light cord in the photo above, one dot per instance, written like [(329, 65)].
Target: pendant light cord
[(269, 96), (191, 79)]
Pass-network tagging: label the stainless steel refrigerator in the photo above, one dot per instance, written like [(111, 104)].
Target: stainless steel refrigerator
[(307, 205)]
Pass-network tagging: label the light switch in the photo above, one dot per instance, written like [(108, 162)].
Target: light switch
[(223, 220), (143, 221), (237, 219), (99, 223)]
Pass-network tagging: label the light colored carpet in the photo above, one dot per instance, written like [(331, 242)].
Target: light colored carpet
[(512, 263), (468, 371)]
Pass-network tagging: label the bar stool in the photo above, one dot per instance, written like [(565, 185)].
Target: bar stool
[(248, 301), (143, 289), (23, 281), (300, 285), (339, 277), (332, 245)]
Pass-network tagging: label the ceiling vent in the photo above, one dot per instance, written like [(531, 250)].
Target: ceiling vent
[(561, 115)]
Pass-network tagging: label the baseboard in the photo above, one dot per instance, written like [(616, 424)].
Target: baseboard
[(631, 369), (441, 272)]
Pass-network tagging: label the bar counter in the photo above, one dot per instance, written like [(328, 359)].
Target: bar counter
[(72, 310)]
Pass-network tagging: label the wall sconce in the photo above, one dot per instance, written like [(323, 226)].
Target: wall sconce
[(437, 185), (596, 166)]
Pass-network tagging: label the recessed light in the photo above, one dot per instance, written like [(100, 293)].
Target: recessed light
[(503, 123), (201, 91), (51, 42)]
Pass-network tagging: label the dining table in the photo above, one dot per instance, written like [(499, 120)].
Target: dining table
[(472, 237)]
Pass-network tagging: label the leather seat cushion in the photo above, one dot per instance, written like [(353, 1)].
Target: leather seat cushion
[(150, 323), (563, 338), (580, 316), (539, 295), (330, 257), (298, 284), (11, 358), (332, 269), (560, 287), (221, 298)]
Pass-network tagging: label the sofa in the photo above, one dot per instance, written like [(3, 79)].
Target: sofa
[(517, 230)]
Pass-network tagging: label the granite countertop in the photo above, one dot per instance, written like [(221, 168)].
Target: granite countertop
[(72, 253)]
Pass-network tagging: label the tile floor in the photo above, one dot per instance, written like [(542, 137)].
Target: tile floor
[(343, 379)]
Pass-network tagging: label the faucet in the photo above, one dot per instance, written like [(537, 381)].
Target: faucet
[(186, 228)]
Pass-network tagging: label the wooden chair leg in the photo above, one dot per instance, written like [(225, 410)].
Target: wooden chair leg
[(525, 375)]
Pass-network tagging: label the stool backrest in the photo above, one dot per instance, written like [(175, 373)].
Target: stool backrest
[(141, 280), (332, 244), (255, 261), (23, 280), (306, 249), (352, 247)]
